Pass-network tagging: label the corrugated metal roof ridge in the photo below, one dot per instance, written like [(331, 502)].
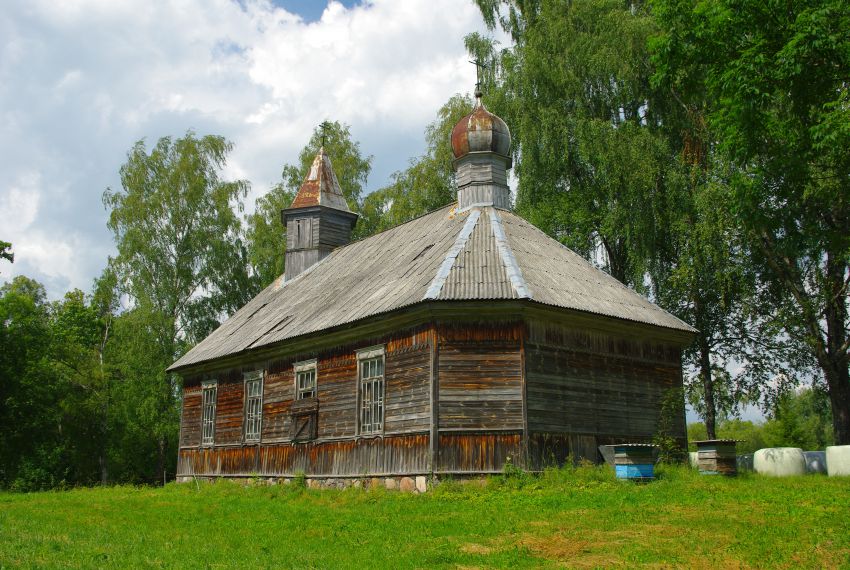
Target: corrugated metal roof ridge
[(575, 283), (512, 269), (478, 271), (436, 286), (371, 276), (347, 295)]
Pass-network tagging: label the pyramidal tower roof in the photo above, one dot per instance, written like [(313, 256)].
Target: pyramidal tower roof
[(320, 187)]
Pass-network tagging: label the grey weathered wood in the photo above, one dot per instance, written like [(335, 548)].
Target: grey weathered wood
[(482, 180), (322, 230), (393, 270)]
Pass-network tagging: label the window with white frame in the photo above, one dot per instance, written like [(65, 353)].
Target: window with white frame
[(208, 397), (370, 364), (305, 379), (253, 405)]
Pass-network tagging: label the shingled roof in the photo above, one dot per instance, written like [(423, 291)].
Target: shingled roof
[(480, 253)]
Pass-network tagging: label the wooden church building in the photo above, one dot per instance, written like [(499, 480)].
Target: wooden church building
[(451, 344)]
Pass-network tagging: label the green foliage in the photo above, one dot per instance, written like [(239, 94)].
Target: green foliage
[(668, 424), (52, 387), (581, 515), (591, 158), (5, 251), (797, 419), (175, 228), (801, 419), (773, 81), (182, 263), (25, 383), (266, 235), (751, 437)]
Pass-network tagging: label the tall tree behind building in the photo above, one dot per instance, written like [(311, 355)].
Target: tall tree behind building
[(778, 105), (177, 232), (266, 235), (611, 165), (575, 91)]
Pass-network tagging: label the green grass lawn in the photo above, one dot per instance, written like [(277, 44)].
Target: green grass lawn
[(580, 518)]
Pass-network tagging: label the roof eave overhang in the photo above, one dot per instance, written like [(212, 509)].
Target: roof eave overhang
[(313, 209), (433, 310)]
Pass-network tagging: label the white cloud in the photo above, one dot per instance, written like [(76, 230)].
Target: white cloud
[(81, 81), (19, 204)]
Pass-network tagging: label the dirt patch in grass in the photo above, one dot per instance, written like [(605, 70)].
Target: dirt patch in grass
[(824, 555), (473, 548), (555, 547), (568, 551)]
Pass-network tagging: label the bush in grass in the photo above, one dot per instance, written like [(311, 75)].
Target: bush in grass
[(583, 475), (671, 410)]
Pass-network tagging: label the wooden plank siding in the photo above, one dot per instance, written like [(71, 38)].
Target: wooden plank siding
[(480, 377), (460, 397), (190, 421), (586, 389), (278, 393), (464, 453), (391, 455), (229, 408), (407, 411), (336, 382)]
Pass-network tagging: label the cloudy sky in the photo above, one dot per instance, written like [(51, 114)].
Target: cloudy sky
[(82, 80)]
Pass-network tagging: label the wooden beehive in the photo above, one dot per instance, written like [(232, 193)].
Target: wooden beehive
[(717, 457)]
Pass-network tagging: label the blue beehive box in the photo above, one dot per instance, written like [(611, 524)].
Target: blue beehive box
[(634, 461)]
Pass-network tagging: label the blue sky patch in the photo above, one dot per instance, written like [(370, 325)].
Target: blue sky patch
[(310, 10)]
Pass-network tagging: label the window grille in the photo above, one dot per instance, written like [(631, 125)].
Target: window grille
[(371, 365), (253, 405), (208, 397), (307, 384), (305, 380)]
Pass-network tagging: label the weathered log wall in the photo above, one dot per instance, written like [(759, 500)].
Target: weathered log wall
[(587, 388), (580, 388), (478, 452), (480, 377), (391, 455), (407, 411), (230, 408), (278, 393), (190, 422)]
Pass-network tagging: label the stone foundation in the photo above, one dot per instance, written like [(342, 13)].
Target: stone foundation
[(414, 484)]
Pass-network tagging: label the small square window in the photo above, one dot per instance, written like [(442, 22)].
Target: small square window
[(305, 380)]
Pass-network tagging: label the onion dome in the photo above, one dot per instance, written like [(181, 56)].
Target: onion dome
[(480, 131)]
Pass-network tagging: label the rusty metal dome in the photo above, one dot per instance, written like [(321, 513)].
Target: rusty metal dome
[(481, 131)]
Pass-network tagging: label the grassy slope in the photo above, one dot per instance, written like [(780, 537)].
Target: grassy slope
[(576, 518)]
